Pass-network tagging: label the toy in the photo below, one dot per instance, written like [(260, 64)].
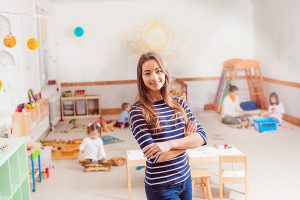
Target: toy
[(227, 146), (63, 149), (106, 125), (3, 146), (79, 92), (67, 93), (74, 125)]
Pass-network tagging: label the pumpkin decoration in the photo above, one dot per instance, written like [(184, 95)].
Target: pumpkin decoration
[(9, 41), (32, 44)]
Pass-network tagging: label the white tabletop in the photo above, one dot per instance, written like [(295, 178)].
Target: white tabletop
[(204, 151), (135, 155), (211, 151)]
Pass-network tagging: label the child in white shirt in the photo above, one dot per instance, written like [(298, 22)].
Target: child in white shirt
[(92, 146), (276, 109)]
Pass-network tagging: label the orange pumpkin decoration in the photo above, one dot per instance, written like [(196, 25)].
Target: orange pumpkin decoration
[(32, 44), (9, 41)]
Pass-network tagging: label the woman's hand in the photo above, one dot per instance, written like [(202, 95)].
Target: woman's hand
[(191, 128), (155, 149)]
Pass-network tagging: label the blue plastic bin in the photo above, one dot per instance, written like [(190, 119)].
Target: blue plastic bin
[(265, 124)]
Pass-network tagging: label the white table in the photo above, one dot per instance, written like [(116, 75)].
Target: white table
[(133, 158), (203, 154)]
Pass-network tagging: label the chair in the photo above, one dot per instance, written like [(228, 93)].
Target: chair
[(33, 156), (233, 175), (203, 175)]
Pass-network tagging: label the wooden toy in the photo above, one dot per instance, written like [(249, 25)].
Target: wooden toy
[(106, 125), (67, 93), (96, 168), (253, 76), (63, 149), (79, 92)]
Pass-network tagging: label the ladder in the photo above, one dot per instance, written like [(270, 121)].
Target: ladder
[(253, 76)]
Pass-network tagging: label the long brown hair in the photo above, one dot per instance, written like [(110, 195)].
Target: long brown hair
[(275, 96), (145, 98)]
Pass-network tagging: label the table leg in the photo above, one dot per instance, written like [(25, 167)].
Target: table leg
[(128, 180)]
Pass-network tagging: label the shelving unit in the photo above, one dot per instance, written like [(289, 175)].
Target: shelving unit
[(14, 171), (80, 107), (25, 123)]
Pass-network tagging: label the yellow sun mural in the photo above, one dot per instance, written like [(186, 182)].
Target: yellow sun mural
[(154, 35)]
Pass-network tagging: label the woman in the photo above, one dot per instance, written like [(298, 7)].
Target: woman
[(164, 128), (232, 114)]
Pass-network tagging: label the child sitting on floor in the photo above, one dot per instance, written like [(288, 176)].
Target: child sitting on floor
[(92, 146), (276, 109), (123, 121)]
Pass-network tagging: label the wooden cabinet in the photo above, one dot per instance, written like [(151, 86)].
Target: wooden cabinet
[(24, 123), (80, 107), (14, 180)]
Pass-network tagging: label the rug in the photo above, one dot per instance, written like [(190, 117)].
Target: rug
[(107, 139)]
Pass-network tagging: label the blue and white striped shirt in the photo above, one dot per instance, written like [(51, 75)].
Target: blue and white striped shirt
[(177, 169)]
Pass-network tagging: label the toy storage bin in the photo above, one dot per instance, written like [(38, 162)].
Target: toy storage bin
[(265, 124)]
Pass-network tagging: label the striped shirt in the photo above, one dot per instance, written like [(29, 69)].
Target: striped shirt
[(177, 169)]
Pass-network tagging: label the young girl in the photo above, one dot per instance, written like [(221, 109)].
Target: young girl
[(164, 128), (92, 146), (276, 109), (123, 121)]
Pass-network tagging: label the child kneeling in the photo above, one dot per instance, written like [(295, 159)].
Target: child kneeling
[(123, 121)]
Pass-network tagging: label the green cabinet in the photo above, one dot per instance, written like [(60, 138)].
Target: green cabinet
[(14, 180)]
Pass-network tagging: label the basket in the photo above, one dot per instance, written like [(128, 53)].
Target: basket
[(118, 161)]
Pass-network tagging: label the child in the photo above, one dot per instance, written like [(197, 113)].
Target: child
[(92, 146), (123, 120), (276, 109)]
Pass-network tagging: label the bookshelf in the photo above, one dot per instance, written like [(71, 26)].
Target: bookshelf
[(14, 171), (80, 107)]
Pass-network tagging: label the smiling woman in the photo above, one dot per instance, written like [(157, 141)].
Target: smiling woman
[(164, 128)]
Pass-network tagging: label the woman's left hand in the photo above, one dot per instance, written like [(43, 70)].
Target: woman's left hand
[(154, 150)]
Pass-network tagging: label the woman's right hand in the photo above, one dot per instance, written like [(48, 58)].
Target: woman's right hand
[(156, 149)]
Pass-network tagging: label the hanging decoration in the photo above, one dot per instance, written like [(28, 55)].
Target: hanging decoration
[(32, 43), (9, 41), (78, 31)]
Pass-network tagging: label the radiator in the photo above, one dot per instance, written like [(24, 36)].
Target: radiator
[(54, 109)]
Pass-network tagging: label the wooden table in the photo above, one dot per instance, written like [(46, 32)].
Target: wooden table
[(133, 158), (205, 154)]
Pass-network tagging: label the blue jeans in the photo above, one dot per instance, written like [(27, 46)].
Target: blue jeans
[(179, 191)]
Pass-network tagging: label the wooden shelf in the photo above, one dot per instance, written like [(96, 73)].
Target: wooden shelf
[(25, 122), (80, 107)]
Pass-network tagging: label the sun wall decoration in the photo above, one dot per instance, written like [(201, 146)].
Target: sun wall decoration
[(154, 35)]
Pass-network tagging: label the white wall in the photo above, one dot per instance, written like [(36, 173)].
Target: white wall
[(277, 47), (206, 33), (25, 74)]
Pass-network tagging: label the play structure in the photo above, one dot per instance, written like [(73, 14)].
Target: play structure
[(235, 69)]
